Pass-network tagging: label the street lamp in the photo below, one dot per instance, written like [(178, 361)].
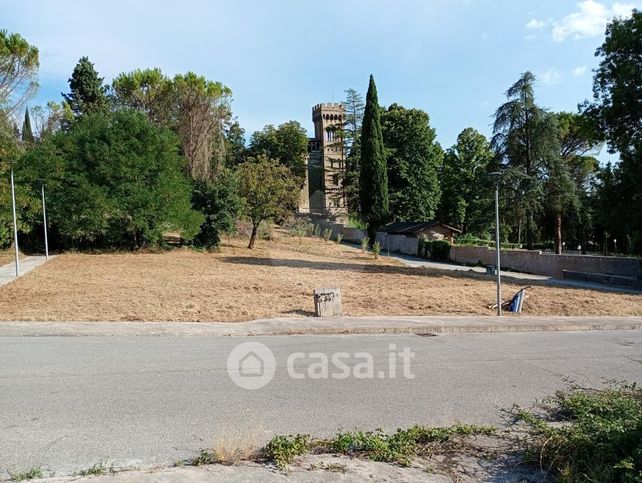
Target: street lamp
[(497, 177), (44, 222), (15, 223)]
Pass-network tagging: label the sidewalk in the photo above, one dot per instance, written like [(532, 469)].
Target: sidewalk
[(323, 326), (27, 263)]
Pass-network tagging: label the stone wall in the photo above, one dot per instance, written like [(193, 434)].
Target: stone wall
[(547, 264), (397, 243), (389, 243), (349, 233)]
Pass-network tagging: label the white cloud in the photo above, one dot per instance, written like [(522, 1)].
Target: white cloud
[(551, 77), (589, 20), (580, 70), (535, 24)]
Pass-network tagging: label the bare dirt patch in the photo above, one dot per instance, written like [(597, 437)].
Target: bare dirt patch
[(276, 279)]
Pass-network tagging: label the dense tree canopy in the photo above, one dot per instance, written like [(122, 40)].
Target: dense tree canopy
[(287, 143), (414, 160), (113, 180), (466, 195), (617, 90), (148, 91)]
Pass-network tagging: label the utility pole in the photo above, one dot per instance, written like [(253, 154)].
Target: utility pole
[(15, 223), (44, 221)]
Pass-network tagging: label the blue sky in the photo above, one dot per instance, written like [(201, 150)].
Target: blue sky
[(452, 58)]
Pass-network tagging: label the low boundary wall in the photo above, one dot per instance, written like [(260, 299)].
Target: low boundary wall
[(548, 264)]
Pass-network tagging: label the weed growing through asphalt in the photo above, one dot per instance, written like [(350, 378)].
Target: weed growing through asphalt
[(398, 447), (282, 449), (587, 435), (99, 468), (30, 474)]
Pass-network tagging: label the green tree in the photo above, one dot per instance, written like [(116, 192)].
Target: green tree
[(26, 133), (113, 180), (220, 204), (561, 194), (525, 140), (373, 178), (269, 189), (350, 134), (87, 92), (148, 91), (26, 206), (203, 108), (414, 159), (287, 143), (617, 89), (18, 71), (578, 138), (465, 188), (234, 144)]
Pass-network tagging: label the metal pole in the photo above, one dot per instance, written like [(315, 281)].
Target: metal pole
[(44, 221), (15, 223), (497, 249)]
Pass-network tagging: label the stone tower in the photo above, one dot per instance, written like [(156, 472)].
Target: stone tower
[(323, 192)]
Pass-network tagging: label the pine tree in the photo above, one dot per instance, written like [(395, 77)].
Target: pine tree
[(27, 133), (88, 94), (373, 179)]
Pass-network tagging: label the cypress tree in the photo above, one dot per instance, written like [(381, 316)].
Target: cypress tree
[(88, 94), (27, 133), (373, 176)]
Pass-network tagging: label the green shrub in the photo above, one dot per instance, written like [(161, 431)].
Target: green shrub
[(327, 233), (339, 237), (364, 244), (437, 249), (317, 230), (282, 449), (31, 474), (355, 222), (376, 249), (588, 435)]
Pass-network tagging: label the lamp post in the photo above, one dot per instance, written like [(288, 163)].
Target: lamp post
[(497, 176), (15, 223), (44, 221)]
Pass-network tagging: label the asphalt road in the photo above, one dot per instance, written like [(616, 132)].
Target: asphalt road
[(69, 402)]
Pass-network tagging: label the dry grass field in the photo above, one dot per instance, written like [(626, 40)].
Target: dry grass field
[(274, 279)]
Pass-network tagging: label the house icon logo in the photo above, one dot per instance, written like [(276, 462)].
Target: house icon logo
[(251, 365)]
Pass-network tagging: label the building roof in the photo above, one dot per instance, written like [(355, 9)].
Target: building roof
[(414, 227)]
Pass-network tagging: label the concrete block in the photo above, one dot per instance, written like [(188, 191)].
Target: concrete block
[(327, 302)]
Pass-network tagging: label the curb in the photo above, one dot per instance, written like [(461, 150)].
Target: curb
[(330, 326)]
